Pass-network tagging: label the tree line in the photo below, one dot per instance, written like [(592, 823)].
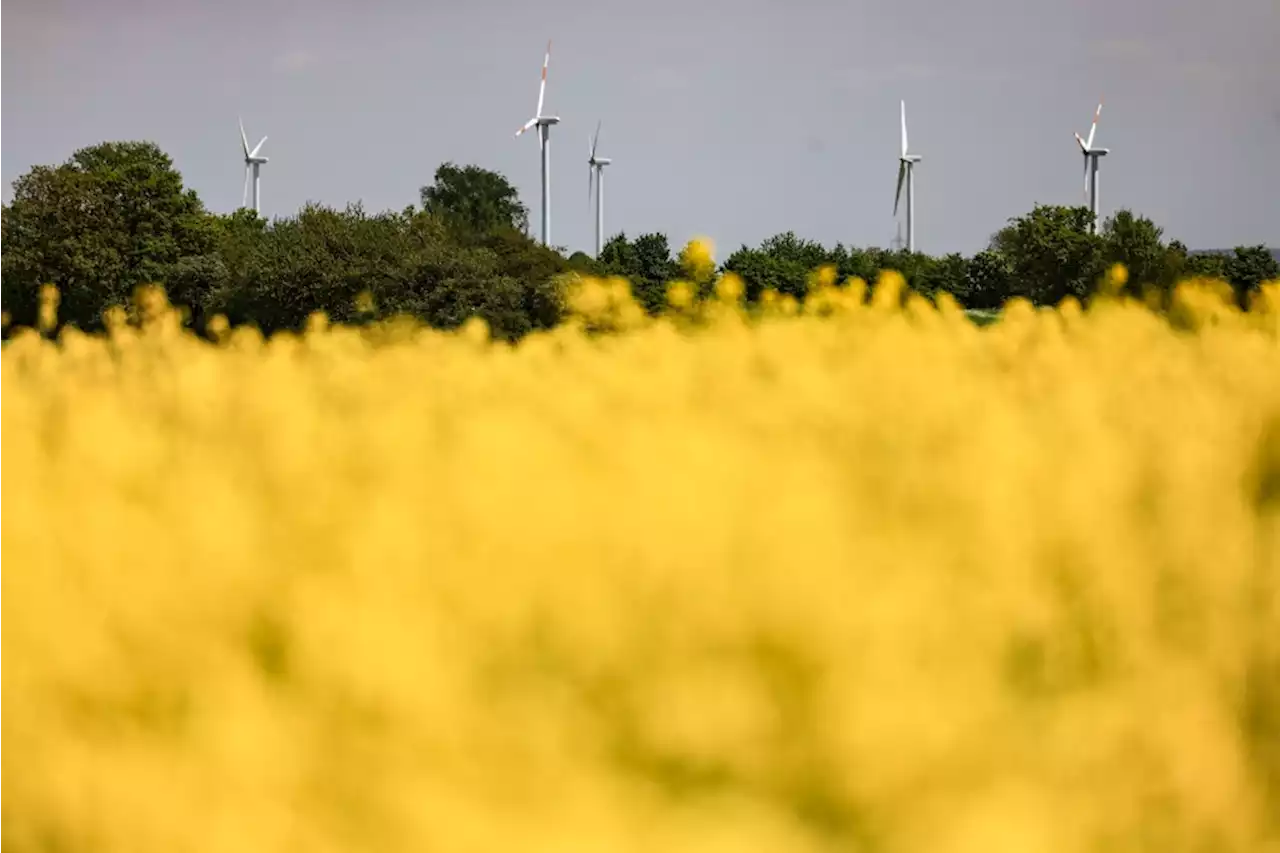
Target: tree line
[(116, 215), (1043, 256)]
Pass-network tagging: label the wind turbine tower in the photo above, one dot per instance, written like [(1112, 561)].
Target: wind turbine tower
[(544, 123), (595, 173), (907, 172), (1091, 157), (252, 162)]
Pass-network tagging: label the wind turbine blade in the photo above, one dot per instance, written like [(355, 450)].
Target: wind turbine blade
[(244, 140), (1083, 145), (528, 124), (1086, 177), (1094, 129), (591, 183), (595, 140), (257, 148), (904, 128), (902, 176), (542, 88), (244, 197)]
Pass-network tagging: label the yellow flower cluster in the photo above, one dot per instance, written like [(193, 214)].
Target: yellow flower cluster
[(848, 575)]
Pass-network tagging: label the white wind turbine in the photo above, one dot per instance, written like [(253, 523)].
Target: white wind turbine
[(897, 239), (543, 123), (254, 162), (1091, 157), (907, 172), (595, 173)]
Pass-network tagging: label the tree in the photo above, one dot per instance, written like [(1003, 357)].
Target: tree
[(537, 270), (1051, 254), (1248, 268), (653, 258), (1135, 241), (1180, 265), (113, 216), (1201, 264), (947, 274), (646, 263), (583, 263), (476, 200), (782, 264), (859, 263), (986, 281)]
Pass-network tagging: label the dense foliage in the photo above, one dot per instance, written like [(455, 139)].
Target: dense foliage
[(116, 215)]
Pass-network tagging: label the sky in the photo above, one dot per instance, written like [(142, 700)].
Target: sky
[(731, 120)]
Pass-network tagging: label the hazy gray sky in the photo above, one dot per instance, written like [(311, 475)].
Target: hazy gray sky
[(732, 119)]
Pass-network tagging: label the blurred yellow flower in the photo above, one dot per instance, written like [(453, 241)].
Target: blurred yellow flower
[(48, 311), (680, 295), (787, 580), (1114, 281), (589, 297), (697, 260), (888, 293), (475, 330), (729, 288)]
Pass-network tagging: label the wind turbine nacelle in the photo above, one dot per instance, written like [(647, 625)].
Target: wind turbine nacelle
[(1099, 152), (548, 120), (258, 160), (911, 158), (601, 161)]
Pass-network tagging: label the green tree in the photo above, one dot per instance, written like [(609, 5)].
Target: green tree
[(537, 270), (410, 263), (1135, 241), (860, 263), (1051, 254), (782, 263), (947, 274), (987, 281), (617, 256), (1248, 267), (1207, 265), (476, 200), (1180, 265), (646, 262), (113, 216), (583, 263)]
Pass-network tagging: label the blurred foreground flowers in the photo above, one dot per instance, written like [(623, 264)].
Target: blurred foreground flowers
[(852, 575)]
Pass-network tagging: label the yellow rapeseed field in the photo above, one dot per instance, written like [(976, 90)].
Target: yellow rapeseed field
[(856, 575)]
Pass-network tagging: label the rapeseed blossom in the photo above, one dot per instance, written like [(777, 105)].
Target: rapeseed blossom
[(852, 574)]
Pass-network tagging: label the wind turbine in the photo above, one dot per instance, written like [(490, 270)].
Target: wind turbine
[(254, 162), (907, 171), (543, 123), (595, 172), (1091, 157)]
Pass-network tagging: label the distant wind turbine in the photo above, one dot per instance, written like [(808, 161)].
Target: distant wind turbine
[(907, 172), (254, 162), (595, 173), (543, 123), (1091, 157), (897, 239)]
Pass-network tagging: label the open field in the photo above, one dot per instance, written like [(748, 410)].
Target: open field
[(846, 577)]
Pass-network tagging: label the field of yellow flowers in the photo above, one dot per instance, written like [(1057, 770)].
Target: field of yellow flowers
[(852, 576)]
